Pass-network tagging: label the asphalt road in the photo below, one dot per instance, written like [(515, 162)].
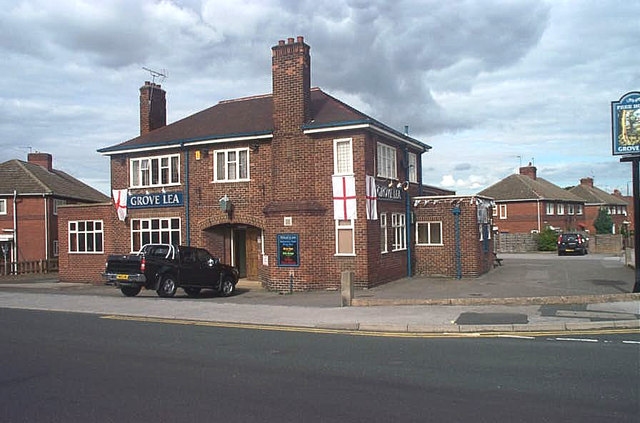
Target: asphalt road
[(61, 367)]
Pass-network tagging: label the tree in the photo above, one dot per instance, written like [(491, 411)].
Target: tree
[(603, 223)]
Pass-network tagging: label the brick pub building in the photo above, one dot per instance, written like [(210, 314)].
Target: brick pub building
[(292, 187)]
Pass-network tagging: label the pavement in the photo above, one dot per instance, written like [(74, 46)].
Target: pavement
[(529, 293)]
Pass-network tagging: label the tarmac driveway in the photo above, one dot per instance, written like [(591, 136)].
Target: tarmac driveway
[(522, 275)]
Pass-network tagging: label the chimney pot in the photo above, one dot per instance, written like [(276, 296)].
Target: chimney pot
[(290, 40), (280, 42), (300, 39)]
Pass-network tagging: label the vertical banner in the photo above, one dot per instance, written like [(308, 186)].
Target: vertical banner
[(344, 197), (372, 198), (120, 202)]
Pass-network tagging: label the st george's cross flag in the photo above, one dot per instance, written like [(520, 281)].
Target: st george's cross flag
[(120, 201), (372, 199), (344, 197)]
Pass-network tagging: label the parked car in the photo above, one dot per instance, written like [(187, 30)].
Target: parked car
[(573, 243), (164, 268)]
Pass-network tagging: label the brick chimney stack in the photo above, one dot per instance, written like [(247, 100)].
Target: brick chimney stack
[(43, 159), (529, 171), (153, 107), (587, 181), (291, 73)]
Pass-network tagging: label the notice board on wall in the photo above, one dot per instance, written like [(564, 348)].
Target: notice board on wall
[(288, 250)]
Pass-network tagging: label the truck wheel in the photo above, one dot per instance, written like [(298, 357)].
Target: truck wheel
[(130, 291), (167, 287), (192, 292), (227, 286)]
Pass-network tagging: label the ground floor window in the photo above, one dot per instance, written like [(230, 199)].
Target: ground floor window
[(383, 232), (345, 237), (429, 233), (86, 236), (398, 222), (154, 231)]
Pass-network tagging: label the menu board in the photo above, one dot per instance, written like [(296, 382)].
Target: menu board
[(288, 250)]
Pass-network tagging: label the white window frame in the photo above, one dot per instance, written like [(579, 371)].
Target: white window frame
[(503, 211), (237, 162), (387, 162), (343, 148), (154, 171), (551, 208), (56, 248), (560, 209), (3, 206), (155, 230), (399, 225), (413, 167), (571, 210), (579, 209), (384, 240), (86, 236), (428, 232), (344, 226)]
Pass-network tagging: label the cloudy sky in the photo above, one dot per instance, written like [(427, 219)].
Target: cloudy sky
[(490, 85)]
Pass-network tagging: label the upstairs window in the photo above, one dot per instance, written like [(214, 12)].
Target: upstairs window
[(413, 167), (578, 208), (387, 167), (398, 223), (231, 165), (560, 209), (155, 171), (342, 157), (3, 206), (571, 209), (550, 208), (503, 211)]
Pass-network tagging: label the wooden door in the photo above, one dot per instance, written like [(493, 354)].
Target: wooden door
[(253, 252)]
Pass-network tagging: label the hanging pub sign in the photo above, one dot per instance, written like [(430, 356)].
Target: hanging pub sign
[(288, 250), (162, 199), (625, 124)]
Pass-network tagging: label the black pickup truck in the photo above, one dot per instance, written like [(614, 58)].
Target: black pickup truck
[(165, 268)]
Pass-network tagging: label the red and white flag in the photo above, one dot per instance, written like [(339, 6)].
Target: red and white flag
[(372, 199), (344, 197), (120, 201)]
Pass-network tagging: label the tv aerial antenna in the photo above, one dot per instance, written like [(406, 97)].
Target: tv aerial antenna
[(156, 74)]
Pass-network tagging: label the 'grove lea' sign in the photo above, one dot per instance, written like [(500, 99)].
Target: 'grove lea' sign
[(164, 199)]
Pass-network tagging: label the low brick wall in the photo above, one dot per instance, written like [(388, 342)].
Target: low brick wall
[(517, 243), (605, 244)]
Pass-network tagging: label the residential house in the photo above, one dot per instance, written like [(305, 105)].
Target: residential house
[(526, 203), (31, 193), (596, 199)]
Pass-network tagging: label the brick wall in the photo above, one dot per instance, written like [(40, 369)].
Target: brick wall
[(87, 267), (527, 216), (441, 260)]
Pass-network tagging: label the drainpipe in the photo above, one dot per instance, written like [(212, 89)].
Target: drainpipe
[(456, 218), (15, 232), (46, 228), (407, 209), (186, 194)]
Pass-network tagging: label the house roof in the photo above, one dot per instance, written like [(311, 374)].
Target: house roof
[(594, 195), (518, 187), (250, 117), (32, 179)]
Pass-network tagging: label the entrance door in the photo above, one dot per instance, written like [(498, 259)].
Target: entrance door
[(253, 255), (245, 251)]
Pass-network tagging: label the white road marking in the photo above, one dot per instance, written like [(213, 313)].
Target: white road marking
[(577, 339)]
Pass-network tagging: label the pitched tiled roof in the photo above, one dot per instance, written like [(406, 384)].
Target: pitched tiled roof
[(593, 195), (518, 187), (31, 178), (247, 117)]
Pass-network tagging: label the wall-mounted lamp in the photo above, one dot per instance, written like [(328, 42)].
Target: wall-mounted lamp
[(254, 147), (404, 185), (390, 184), (201, 154), (225, 204)]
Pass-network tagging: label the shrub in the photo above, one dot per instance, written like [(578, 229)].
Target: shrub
[(547, 240)]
